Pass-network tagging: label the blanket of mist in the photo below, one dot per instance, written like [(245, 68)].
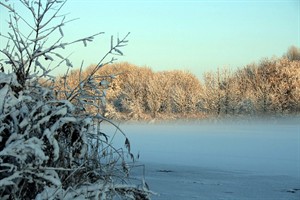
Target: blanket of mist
[(219, 160)]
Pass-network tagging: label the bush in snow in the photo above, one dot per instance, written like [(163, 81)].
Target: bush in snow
[(51, 148), (47, 151)]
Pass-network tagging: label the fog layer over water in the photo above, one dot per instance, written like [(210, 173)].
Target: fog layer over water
[(261, 147), (236, 160)]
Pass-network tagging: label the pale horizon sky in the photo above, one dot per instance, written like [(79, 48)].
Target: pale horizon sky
[(198, 36)]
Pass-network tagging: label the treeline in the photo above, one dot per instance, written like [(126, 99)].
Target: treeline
[(139, 93), (271, 87)]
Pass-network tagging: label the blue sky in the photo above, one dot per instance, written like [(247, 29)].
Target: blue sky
[(193, 35)]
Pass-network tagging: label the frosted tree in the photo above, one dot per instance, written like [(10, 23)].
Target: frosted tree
[(293, 53), (217, 94), (50, 147), (283, 80), (244, 96), (226, 87), (185, 92), (155, 93)]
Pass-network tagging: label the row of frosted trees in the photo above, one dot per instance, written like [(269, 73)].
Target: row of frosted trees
[(139, 93), (270, 87)]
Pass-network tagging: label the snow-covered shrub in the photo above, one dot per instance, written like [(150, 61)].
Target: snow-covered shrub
[(50, 147), (35, 138), (47, 151)]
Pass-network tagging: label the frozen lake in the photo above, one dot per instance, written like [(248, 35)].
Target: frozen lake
[(233, 160)]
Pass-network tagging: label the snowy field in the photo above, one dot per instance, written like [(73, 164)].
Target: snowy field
[(233, 160)]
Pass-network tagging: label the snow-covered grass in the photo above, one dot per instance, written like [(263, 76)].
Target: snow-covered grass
[(232, 160)]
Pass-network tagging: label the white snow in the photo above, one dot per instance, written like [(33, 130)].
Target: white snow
[(241, 160), (10, 79), (53, 142), (3, 92)]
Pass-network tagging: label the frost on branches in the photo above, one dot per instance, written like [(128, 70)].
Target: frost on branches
[(47, 152)]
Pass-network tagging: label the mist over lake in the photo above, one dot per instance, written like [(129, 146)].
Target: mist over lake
[(242, 157), (263, 147)]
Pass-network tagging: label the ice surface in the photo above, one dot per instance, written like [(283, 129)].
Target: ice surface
[(187, 182), (247, 160)]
